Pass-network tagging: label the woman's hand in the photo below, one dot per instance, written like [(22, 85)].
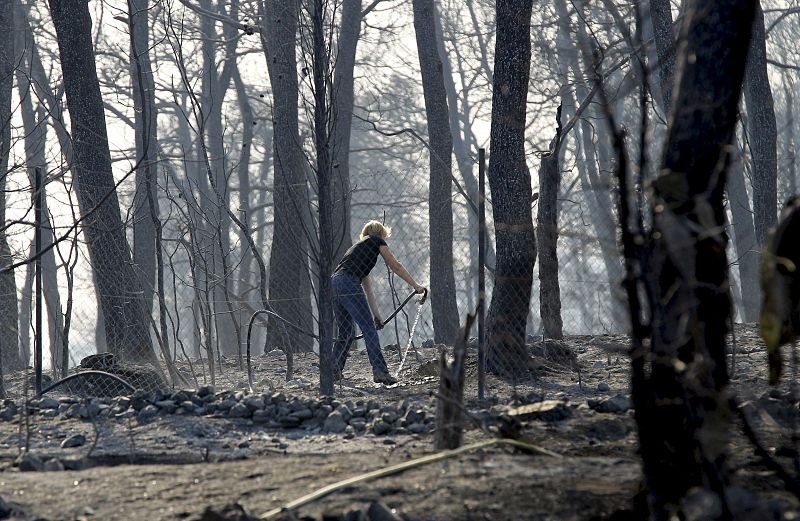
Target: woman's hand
[(419, 289), (378, 322)]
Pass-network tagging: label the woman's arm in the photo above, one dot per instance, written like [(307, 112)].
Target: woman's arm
[(373, 304), (399, 269)]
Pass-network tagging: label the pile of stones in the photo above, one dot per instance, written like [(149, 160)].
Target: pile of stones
[(275, 410)]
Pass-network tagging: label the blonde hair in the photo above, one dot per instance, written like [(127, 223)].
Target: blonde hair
[(377, 229)]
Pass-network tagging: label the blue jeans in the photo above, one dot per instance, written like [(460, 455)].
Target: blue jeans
[(350, 304)]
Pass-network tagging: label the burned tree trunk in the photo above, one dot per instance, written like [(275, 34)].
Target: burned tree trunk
[(685, 391), (440, 194), (343, 99), (144, 105), (9, 312), (661, 16), (547, 237), (450, 398), (124, 313), (510, 185), (762, 131), (324, 169), (289, 286)]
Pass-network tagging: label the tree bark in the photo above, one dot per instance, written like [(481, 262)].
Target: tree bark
[(33, 121), (9, 312), (343, 99), (510, 185), (761, 131), (289, 279), (547, 237), (661, 17), (685, 394), (440, 193), (324, 169), (745, 243), (143, 89), (124, 313)]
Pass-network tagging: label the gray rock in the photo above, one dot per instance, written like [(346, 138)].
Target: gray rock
[(29, 463), (148, 413), (206, 390), (254, 403), (618, 403), (598, 365), (261, 416), (76, 440), (335, 422), (8, 413), (227, 404), (289, 422), (48, 403), (168, 406), (429, 343), (181, 396), (53, 465), (323, 411), (140, 400), (304, 414), (239, 410), (359, 424), (417, 428), (413, 416), (349, 432), (345, 412), (602, 387), (381, 427), (188, 406), (380, 512)]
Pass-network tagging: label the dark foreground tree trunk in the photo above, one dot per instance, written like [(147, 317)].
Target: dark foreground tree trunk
[(682, 406), (126, 321), (440, 195), (510, 184)]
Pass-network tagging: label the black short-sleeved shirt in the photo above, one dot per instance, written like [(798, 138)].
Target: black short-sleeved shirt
[(361, 257)]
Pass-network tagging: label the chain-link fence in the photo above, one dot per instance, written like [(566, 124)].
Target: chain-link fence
[(212, 287)]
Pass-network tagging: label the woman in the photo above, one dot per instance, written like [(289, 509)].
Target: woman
[(353, 299)]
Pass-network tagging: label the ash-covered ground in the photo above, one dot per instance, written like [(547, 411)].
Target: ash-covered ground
[(186, 454)]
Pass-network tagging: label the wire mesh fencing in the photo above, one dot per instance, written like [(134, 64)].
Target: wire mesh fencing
[(202, 324)]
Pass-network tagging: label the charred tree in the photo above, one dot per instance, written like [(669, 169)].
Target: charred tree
[(745, 242), (343, 99), (547, 237), (661, 17), (120, 293), (510, 185), (324, 170), (145, 118), (762, 131), (450, 398), (684, 392), (9, 312), (289, 286), (440, 192)]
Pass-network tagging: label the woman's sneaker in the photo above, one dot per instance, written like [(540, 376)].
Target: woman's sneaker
[(383, 377)]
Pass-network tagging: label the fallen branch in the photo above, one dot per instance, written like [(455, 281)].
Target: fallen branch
[(402, 467)]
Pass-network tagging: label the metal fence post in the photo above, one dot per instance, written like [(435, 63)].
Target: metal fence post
[(481, 272), (37, 346)]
